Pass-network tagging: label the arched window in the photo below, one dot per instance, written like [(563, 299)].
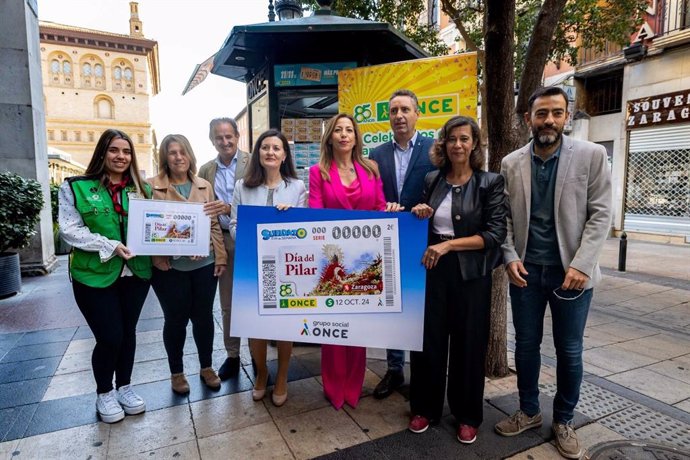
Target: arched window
[(60, 72), (123, 75), (92, 72), (103, 107)]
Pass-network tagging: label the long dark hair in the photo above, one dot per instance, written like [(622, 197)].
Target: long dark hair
[(438, 153), (96, 167), (256, 174)]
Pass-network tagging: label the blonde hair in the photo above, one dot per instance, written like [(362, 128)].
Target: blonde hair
[(326, 159), (163, 154)]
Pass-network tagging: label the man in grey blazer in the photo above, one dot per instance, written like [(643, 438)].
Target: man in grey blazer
[(559, 190), (403, 164), (223, 172)]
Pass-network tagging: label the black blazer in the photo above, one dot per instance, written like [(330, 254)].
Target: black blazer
[(478, 209), (419, 166)]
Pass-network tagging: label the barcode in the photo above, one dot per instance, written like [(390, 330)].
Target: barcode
[(147, 232), (268, 281), (388, 271)]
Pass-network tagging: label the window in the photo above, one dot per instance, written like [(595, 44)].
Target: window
[(140, 138), (77, 136), (63, 135), (60, 69), (98, 70), (604, 93), (51, 135), (91, 136), (91, 72), (103, 107), (86, 69), (123, 76)]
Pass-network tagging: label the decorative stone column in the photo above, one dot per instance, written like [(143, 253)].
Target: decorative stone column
[(23, 146)]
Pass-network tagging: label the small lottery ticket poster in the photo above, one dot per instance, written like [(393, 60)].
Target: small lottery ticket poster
[(329, 276), (346, 266), (172, 228)]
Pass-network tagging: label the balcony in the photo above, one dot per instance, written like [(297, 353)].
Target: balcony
[(673, 24)]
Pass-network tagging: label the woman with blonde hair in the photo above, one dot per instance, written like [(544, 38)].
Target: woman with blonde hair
[(186, 286), (344, 179)]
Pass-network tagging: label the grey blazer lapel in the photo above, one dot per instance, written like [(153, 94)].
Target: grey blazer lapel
[(564, 160), (525, 161), (242, 160)]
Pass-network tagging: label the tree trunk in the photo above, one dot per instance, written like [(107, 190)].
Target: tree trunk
[(535, 60), (499, 104)]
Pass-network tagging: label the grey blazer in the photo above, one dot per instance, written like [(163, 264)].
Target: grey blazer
[(583, 204)]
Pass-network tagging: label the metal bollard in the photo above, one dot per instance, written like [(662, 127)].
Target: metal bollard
[(622, 252)]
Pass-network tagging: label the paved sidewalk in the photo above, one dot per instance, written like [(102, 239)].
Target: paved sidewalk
[(637, 384)]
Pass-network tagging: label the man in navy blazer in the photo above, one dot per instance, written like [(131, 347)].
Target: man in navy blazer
[(403, 164)]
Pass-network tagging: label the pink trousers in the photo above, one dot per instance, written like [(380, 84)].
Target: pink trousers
[(342, 371)]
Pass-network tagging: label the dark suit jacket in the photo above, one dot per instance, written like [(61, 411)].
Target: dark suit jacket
[(419, 166), (479, 210)]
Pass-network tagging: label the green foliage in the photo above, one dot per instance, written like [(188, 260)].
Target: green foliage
[(21, 201), (402, 14), (54, 205)]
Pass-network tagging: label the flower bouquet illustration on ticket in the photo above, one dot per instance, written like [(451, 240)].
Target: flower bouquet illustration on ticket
[(329, 276)]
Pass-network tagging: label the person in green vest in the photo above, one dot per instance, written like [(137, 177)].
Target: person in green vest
[(110, 283)]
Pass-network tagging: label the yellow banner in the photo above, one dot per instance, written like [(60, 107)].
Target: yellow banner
[(445, 86)]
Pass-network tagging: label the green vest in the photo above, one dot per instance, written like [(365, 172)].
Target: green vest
[(94, 204)]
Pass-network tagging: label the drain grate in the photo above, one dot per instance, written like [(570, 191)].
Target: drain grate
[(639, 422), (595, 402)]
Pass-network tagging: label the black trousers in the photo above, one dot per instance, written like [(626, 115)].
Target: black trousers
[(112, 314), (457, 310), (184, 296)]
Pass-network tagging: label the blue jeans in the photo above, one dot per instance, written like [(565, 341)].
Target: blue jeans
[(396, 360), (568, 322)]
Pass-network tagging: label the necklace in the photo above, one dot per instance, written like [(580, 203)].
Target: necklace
[(349, 169)]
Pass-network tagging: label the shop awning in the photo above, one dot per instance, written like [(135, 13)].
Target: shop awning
[(317, 38)]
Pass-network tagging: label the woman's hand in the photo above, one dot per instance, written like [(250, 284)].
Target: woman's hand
[(394, 207), (283, 207), (423, 211), (123, 251), (434, 253), (219, 270), (161, 263)]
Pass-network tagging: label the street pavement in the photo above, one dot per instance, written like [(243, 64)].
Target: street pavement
[(636, 386)]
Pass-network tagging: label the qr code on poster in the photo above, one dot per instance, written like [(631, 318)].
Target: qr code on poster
[(268, 280)]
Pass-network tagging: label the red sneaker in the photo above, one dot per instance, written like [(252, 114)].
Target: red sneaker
[(418, 424), (467, 434)]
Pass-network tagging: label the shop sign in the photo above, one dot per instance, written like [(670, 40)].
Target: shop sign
[(662, 109), (309, 74), (257, 85), (445, 86)]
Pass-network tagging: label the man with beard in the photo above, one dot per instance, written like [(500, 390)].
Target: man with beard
[(559, 215), (223, 172), (403, 164)]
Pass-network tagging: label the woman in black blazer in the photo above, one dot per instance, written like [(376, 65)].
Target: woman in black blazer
[(466, 207)]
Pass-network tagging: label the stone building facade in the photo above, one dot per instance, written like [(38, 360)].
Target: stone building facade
[(94, 80)]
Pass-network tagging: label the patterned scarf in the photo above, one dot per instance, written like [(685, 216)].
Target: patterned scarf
[(115, 190)]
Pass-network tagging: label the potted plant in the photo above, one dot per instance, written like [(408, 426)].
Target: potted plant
[(21, 201)]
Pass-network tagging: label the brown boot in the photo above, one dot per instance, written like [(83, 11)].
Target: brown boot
[(179, 383), (210, 378)]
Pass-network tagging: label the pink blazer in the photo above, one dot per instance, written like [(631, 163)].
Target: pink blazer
[(323, 194)]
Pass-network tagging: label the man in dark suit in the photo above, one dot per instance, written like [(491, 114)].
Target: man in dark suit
[(403, 164)]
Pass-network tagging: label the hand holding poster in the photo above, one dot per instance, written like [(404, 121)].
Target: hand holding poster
[(329, 276)]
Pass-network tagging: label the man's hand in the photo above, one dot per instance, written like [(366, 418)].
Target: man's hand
[(574, 279), (217, 208), (515, 271)]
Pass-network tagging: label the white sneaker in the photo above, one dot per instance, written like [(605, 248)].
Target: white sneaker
[(109, 410), (130, 401)]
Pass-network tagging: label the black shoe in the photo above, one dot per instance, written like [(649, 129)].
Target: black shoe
[(229, 369), (388, 384)]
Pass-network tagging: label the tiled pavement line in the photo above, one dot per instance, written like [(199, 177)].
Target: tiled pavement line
[(648, 278)]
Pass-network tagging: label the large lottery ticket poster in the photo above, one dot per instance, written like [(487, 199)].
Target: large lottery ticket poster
[(329, 276)]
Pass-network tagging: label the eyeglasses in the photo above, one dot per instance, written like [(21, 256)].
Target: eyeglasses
[(569, 294)]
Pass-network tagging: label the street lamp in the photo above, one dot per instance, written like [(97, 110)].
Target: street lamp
[(288, 9)]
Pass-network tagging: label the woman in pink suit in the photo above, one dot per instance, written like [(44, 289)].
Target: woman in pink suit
[(344, 179)]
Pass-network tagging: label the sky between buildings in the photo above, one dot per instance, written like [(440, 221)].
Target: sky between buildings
[(188, 32)]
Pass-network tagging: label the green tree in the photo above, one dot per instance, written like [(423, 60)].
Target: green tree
[(404, 15)]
